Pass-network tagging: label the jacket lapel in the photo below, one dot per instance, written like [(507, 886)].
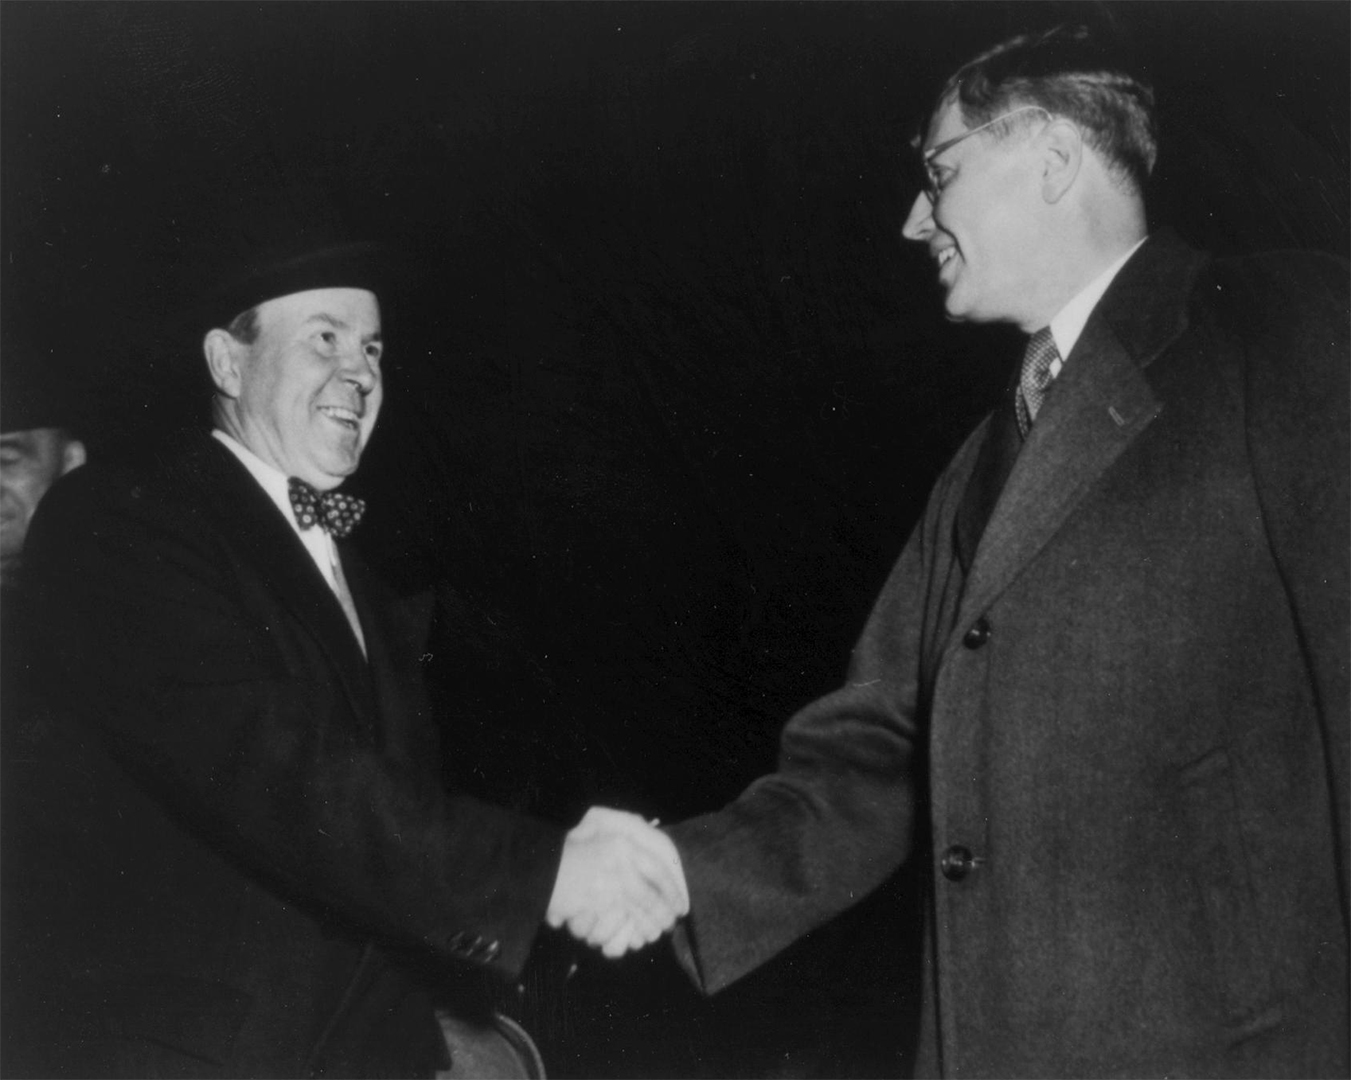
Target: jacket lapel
[(1098, 406), (254, 528), (397, 629)]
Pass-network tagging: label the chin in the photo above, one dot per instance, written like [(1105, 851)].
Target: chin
[(955, 312), (341, 472), (333, 477), (327, 475), (339, 461)]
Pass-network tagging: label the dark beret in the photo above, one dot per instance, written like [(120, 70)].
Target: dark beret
[(356, 265)]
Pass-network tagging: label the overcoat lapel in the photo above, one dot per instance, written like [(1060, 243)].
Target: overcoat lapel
[(250, 522), (1101, 402), (994, 462)]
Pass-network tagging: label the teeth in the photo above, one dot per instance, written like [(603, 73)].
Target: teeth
[(946, 256), (346, 416)]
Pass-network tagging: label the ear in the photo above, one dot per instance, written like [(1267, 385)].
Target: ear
[(73, 456), (1062, 158), (224, 359)]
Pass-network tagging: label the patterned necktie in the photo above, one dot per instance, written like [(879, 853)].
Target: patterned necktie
[(335, 513), (1037, 360)]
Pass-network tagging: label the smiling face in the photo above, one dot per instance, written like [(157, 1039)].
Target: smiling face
[(304, 395), (985, 231)]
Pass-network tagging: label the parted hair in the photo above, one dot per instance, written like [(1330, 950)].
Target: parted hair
[(1071, 72)]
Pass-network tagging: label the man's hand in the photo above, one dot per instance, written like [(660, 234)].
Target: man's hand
[(620, 885)]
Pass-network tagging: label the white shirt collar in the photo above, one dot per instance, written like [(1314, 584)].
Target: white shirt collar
[(1070, 320), (270, 479), (273, 481)]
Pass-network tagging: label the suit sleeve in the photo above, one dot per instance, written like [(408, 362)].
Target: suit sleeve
[(1299, 435), (155, 643), (838, 816)]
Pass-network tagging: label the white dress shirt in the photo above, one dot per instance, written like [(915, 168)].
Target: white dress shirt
[(1070, 320)]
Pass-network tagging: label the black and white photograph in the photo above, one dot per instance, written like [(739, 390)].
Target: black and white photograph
[(637, 539)]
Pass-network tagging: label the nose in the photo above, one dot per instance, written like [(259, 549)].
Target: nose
[(919, 223), (361, 372)]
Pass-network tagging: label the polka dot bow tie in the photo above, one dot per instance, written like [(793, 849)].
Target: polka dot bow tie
[(332, 511)]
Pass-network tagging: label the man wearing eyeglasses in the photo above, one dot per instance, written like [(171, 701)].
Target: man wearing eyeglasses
[(1101, 702)]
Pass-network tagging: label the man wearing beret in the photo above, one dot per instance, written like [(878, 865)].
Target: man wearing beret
[(263, 873)]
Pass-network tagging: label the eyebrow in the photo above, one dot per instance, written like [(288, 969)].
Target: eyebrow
[(339, 324), (21, 442)]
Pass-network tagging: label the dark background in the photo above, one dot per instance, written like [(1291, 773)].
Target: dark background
[(669, 391)]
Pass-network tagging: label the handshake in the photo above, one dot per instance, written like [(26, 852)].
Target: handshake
[(620, 885)]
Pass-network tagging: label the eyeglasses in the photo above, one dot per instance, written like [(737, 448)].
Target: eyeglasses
[(930, 183)]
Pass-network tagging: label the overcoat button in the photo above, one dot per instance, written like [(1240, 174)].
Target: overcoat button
[(978, 635), (957, 862)]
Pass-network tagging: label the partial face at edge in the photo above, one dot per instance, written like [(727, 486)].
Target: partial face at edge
[(30, 462)]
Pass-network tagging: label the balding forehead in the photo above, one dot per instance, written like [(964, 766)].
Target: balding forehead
[(338, 305)]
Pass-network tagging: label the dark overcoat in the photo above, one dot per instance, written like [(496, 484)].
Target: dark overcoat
[(238, 855), (1111, 727)]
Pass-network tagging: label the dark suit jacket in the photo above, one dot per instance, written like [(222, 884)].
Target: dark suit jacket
[(1113, 728), (249, 863)]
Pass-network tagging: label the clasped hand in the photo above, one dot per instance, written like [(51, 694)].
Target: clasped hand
[(620, 885)]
